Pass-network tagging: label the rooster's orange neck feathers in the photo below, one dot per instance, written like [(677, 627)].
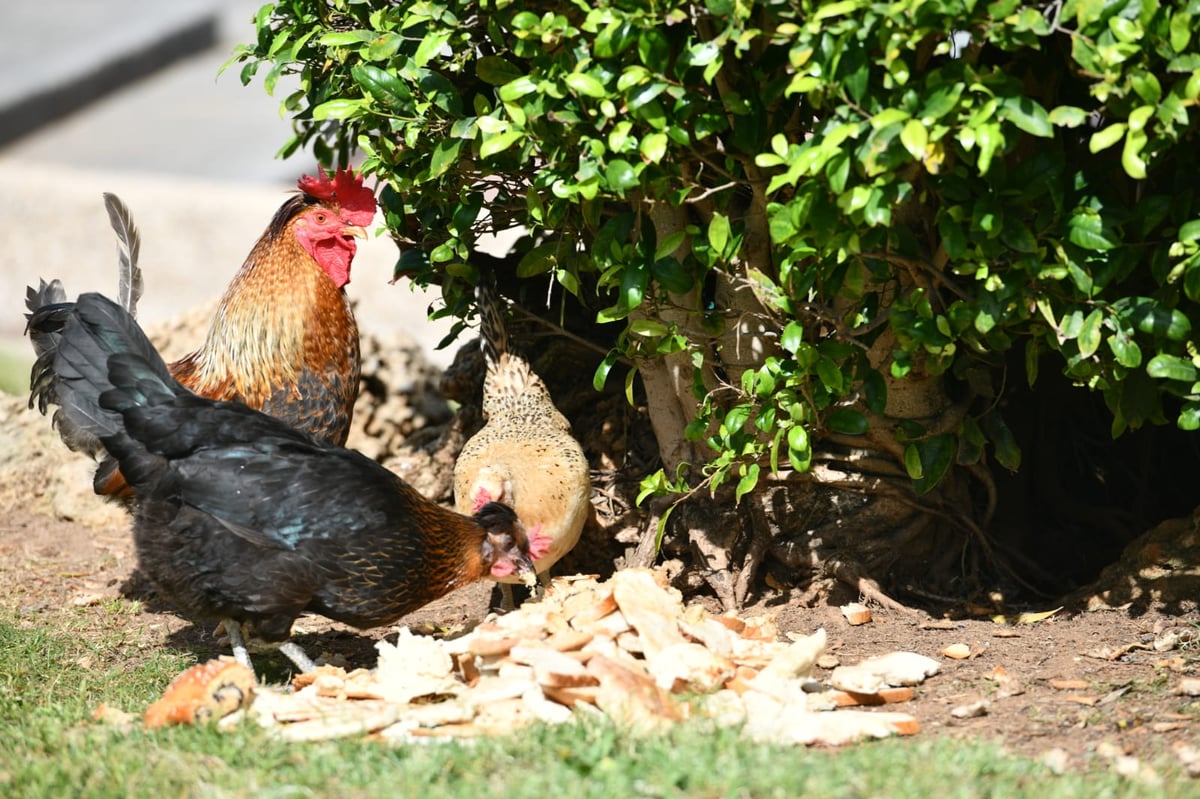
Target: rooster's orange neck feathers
[(255, 341)]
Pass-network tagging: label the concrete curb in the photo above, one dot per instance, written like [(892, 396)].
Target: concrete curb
[(37, 88)]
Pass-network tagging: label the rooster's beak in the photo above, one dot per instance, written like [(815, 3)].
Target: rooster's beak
[(356, 231)]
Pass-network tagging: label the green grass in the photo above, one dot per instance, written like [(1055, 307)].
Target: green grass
[(14, 370), (51, 681)]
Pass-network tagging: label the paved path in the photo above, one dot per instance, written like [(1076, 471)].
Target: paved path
[(192, 155)]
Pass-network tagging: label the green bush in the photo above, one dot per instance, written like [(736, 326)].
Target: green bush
[(806, 219)]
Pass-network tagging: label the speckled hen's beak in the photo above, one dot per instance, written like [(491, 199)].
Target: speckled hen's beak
[(356, 231)]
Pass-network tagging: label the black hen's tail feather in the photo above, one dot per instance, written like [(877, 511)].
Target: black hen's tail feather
[(51, 293), (48, 303), (47, 316), (101, 364)]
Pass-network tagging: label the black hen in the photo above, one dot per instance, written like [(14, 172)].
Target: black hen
[(244, 519)]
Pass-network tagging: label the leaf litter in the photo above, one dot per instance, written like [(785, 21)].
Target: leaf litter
[(626, 648)]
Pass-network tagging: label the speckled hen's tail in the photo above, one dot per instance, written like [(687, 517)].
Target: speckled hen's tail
[(510, 377), (493, 336)]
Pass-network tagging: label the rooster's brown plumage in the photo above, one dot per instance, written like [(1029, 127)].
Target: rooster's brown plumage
[(283, 339)]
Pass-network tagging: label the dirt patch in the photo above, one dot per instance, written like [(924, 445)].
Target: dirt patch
[(1068, 682)]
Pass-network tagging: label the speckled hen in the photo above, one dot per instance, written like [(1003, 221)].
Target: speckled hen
[(525, 455), (242, 518)]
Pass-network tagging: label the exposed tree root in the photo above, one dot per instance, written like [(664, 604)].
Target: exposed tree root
[(851, 574)]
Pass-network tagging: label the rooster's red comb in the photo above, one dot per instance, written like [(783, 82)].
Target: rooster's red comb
[(346, 190)]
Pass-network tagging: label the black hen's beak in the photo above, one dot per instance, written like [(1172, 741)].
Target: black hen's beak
[(524, 563), (507, 539)]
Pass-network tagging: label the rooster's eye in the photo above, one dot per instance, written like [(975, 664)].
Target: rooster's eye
[(320, 218)]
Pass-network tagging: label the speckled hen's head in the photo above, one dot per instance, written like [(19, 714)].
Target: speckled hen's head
[(338, 210)]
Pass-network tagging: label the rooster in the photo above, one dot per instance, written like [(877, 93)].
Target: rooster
[(525, 455), (283, 339), (243, 518)]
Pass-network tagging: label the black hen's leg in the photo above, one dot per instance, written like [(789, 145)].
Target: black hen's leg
[(297, 656), (233, 631)]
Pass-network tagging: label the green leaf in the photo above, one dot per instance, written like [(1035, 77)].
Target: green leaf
[(499, 143), (1008, 454), (1086, 229), (1082, 280), (793, 337), (747, 483), (836, 9), (1150, 316), (915, 137), (430, 46), (539, 261), (847, 421), (889, 116), (1189, 417), (383, 47), (1067, 116), (702, 54), (1027, 114), (340, 108), (989, 138), (445, 154), (606, 365), (718, 233), (620, 175), (494, 70), (654, 147), (634, 279), (1147, 86), (516, 89), (648, 327), (799, 448), (586, 85), (386, 88), (912, 462), (1180, 30), (936, 455), (940, 102), (736, 418), (672, 276), (412, 260), (1135, 142), (1125, 350), (344, 38), (669, 244), (1191, 279), (1089, 336), (1165, 366), (1032, 356), (1106, 137), (875, 391), (830, 375)]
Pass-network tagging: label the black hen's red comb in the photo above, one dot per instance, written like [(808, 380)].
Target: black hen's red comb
[(346, 190)]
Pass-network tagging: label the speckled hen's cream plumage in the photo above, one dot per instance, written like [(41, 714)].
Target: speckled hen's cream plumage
[(525, 455)]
